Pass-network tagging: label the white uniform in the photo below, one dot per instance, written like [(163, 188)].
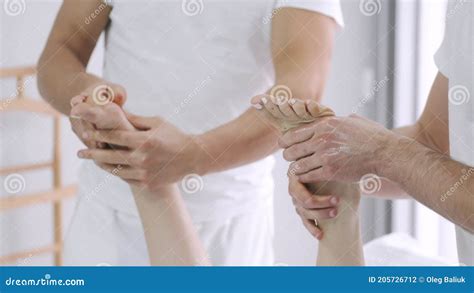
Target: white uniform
[(455, 61), (196, 64)]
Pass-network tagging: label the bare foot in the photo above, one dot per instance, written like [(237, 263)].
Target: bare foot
[(288, 114), (105, 117), (341, 244)]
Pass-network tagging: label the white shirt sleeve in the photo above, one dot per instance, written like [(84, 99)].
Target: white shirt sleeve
[(331, 8)]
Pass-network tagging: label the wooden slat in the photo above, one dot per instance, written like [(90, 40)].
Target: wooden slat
[(17, 71), (27, 105), (25, 168), (13, 202), (10, 258)]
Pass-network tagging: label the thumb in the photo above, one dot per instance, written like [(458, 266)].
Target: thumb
[(141, 122)]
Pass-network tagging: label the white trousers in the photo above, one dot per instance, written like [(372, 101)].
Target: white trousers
[(100, 235)]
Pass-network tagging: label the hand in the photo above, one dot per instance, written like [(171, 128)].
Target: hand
[(310, 207), (156, 155), (337, 148), (100, 94)]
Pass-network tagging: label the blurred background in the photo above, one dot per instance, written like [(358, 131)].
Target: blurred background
[(382, 68)]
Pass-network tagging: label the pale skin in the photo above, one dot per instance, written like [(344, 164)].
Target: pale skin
[(169, 232), (161, 154), (413, 159), (342, 243)]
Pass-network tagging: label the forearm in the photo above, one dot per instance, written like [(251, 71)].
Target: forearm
[(61, 76), (170, 235), (432, 178), (239, 142), (249, 137), (390, 189)]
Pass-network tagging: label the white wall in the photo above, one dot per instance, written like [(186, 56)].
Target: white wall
[(26, 139)]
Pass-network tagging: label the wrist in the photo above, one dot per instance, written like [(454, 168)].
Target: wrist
[(395, 153), (201, 159)]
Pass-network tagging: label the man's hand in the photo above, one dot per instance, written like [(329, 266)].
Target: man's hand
[(97, 94), (337, 148), (156, 155)]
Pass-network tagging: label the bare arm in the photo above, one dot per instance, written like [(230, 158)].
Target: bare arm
[(431, 130), (424, 168), (302, 43), (62, 65), (420, 166)]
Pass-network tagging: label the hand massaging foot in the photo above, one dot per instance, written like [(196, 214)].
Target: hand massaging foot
[(169, 232), (341, 244)]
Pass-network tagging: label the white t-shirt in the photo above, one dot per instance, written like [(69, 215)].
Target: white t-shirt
[(195, 64), (455, 61)]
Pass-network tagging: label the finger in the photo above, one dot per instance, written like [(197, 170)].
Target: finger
[(79, 127), (315, 176), (317, 214), (299, 107), (304, 198), (109, 156), (287, 111), (87, 112), (297, 135), (77, 100), (306, 164), (125, 138), (312, 228), (142, 123), (124, 172), (299, 151), (256, 102), (270, 105)]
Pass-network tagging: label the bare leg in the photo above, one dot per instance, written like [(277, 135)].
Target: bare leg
[(169, 233), (342, 243)]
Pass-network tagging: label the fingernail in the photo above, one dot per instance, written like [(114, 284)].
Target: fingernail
[(257, 106), (334, 200), (80, 154), (264, 100), (85, 135), (292, 101), (332, 213)]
